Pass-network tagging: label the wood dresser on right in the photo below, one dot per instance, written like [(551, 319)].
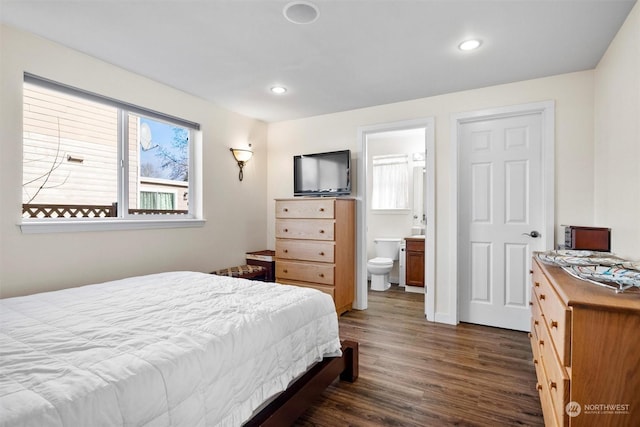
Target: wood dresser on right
[(586, 350)]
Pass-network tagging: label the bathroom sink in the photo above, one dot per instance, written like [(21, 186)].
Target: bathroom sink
[(417, 230)]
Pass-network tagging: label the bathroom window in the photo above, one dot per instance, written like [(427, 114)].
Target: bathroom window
[(390, 182)]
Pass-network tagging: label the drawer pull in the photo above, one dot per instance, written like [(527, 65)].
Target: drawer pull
[(536, 284), (538, 386), (321, 231), (285, 270), (535, 361), (535, 322), (553, 385), (286, 230), (541, 342), (286, 251), (530, 271), (530, 302), (543, 297), (530, 335), (321, 274), (554, 324), (321, 253), (321, 209), (285, 210)]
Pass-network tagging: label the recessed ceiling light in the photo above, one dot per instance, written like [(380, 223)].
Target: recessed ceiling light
[(278, 90), (301, 12), (470, 44)]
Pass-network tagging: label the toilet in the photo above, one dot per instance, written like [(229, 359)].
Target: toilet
[(387, 251)]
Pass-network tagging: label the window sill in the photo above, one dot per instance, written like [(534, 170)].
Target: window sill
[(70, 226)]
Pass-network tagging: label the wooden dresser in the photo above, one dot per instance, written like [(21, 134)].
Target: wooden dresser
[(315, 246), (586, 350)]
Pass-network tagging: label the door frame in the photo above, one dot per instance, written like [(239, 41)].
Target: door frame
[(547, 111), (428, 123)]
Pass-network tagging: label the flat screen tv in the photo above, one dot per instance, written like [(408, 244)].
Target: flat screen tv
[(322, 174)]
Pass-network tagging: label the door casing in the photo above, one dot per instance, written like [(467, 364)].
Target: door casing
[(361, 300)]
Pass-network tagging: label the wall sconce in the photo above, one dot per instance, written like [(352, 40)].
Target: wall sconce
[(242, 156)]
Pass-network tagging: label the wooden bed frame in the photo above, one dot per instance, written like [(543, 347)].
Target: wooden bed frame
[(292, 402)]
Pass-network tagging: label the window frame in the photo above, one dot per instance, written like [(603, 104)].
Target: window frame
[(124, 220)]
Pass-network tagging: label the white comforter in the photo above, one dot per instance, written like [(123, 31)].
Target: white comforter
[(171, 349)]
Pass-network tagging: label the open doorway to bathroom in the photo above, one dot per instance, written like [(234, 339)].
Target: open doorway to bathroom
[(396, 215)]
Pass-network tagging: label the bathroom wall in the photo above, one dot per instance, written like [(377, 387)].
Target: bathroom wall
[(387, 223)]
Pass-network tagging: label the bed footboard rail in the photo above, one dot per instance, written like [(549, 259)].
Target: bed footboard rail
[(292, 402)]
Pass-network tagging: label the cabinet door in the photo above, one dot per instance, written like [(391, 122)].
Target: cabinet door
[(415, 269)]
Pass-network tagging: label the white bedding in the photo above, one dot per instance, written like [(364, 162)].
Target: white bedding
[(171, 349)]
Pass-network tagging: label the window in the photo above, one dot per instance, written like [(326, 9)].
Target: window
[(390, 182), (90, 158)]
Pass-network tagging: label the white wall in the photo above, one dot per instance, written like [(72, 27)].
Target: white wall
[(235, 211), (617, 138), (573, 94)]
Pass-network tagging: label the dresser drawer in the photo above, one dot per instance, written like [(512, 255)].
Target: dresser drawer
[(536, 314), (535, 349), (545, 398), (305, 250), (557, 318), (305, 272), (313, 208), (329, 290), (557, 381), (313, 229)]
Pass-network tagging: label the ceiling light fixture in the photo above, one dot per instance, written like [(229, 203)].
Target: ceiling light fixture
[(470, 44), (301, 12), (278, 90)]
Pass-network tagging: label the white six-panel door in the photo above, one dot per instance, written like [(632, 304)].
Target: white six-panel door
[(500, 209)]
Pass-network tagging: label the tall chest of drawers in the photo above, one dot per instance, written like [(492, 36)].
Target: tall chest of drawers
[(586, 350), (315, 246)]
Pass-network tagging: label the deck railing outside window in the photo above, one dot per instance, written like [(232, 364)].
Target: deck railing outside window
[(33, 210)]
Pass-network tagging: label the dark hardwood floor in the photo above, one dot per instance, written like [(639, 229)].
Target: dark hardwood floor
[(419, 373)]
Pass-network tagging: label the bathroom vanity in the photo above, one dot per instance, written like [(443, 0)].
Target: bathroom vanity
[(415, 261)]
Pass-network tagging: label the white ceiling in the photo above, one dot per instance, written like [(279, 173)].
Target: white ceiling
[(357, 54)]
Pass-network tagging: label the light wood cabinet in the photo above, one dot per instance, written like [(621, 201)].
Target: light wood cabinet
[(414, 271), (586, 350), (315, 246)]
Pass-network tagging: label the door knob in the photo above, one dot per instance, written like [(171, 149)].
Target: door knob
[(533, 234)]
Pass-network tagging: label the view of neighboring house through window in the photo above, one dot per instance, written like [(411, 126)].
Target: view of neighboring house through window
[(75, 163), (162, 180)]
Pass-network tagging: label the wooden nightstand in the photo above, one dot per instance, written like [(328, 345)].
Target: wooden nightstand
[(264, 259)]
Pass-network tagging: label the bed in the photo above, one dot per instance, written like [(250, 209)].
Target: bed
[(169, 349)]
